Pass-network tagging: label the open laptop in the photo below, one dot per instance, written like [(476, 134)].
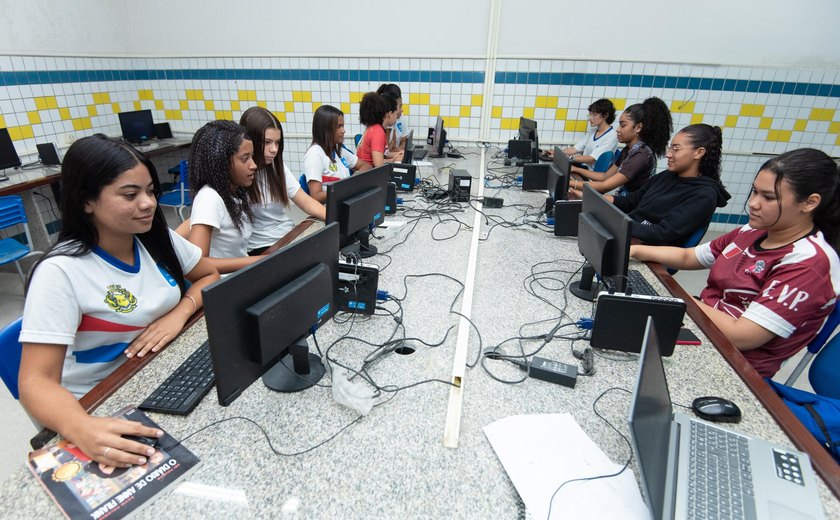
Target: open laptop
[(412, 152), (783, 485)]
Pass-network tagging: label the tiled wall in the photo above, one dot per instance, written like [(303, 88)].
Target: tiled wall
[(761, 111)]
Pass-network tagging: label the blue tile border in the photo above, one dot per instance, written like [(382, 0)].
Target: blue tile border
[(730, 218)]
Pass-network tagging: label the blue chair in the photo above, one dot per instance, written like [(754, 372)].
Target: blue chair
[(10, 349), (180, 197), (357, 139), (12, 214), (822, 374), (303, 184), (692, 240), (603, 162)]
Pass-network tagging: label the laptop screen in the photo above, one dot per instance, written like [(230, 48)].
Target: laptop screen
[(650, 421)]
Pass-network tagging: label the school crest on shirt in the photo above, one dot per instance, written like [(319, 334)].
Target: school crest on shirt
[(757, 267), (332, 167), (119, 299)]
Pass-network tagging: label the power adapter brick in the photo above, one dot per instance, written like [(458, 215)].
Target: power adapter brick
[(552, 371)]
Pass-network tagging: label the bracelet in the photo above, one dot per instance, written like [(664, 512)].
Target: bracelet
[(195, 305)]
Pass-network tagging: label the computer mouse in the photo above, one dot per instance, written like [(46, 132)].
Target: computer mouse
[(716, 409), (152, 442)]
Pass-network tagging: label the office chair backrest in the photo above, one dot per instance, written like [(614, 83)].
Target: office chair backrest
[(303, 184), (11, 211), (603, 162), (820, 340), (357, 139), (10, 349), (824, 369)]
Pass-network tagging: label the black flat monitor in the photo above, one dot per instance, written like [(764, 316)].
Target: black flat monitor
[(163, 131), (558, 179), (439, 139), (356, 203), (137, 126), (48, 154), (8, 155), (258, 318), (604, 233), (528, 130)]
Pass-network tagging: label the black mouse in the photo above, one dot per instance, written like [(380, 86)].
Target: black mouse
[(716, 409), (151, 442)]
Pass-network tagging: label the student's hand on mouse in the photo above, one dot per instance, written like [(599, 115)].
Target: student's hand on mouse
[(157, 335), (101, 438)]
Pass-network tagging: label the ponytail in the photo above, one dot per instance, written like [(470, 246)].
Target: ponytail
[(657, 125), (711, 139)]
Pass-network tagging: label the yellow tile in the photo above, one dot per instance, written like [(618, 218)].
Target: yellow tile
[(262, 104), (496, 112), (101, 98), (546, 102), (79, 123), (406, 110), (451, 122), (833, 128), (434, 110), (91, 110), (779, 136), (2, 121), (64, 113), (465, 111), (195, 94), (14, 133), (297, 95), (682, 107), (355, 97), (731, 122), (510, 123), (800, 124), (41, 103), (173, 115), (414, 98), (316, 106), (247, 95), (425, 99), (234, 105), (477, 100), (822, 114), (696, 119), (280, 116), (619, 103), (561, 114), (748, 110), (159, 104), (345, 107), (34, 117), (289, 106), (765, 123), (224, 114), (837, 141), (138, 105), (577, 125), (209, 105), (184, 104), (26, 132), (528, 113), (115, 108), (146, 95), (306, 97)]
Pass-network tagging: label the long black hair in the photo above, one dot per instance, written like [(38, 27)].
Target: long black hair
[(256, 121), (809, 171), (90, 164), (656, 122), (213, 147)]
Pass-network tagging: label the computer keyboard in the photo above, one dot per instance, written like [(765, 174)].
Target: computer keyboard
[(181, 392), (639, 285), (720, 480), (419, 153)]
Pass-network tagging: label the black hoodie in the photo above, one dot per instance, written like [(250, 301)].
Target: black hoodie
[(668, 209)]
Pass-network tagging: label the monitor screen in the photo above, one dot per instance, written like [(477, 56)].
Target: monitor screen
[(439, 139), (8, 155), (528, 130), (604, 233), (258, 318), (355, 203), (48, 154), (137, 126), (558, 178)]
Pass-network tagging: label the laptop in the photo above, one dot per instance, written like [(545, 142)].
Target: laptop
[(412, 152), (48, 154), (163, 131), (782, 480)]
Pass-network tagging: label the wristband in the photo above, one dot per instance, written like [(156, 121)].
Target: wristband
[(195, 305)]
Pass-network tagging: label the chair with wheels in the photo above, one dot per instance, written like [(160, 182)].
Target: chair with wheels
[(10, 349), (179, 198), (12, 215)]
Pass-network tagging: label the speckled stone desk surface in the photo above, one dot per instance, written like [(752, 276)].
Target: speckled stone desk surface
[(392, 463)]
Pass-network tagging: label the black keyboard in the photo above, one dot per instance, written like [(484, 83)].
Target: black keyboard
[(181, 392), (639, 285), (419, 153)]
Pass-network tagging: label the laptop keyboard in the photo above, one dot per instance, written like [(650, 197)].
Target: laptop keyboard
[(637, 282), (720, 477), (181, 392)]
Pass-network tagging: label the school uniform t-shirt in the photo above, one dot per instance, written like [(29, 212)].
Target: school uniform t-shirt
[(271, 221), (595, 146), (317, 166), (788, 291), (226, 242), (97, 305)]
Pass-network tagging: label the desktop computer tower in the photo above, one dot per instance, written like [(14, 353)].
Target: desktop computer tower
[(460, 185)]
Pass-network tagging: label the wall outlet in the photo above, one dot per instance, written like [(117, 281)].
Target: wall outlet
[(69, 139)]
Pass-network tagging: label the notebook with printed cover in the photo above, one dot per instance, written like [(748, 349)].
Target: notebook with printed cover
[(695, 469)]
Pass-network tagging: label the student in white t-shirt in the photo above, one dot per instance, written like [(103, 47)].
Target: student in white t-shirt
[(271, 191), (327, 160), (602, 138), (113, 287), (221, 169)]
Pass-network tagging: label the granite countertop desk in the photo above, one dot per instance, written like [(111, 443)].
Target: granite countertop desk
[(392, 463)]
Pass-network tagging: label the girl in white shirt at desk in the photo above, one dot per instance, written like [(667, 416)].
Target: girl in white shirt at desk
[(271, 191), (221, 169), (113, 287), (327, 160)]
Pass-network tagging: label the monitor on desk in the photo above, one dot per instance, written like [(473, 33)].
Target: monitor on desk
[(137, 126), (528, 130), (604, 233), (8, 155), (438, 140), (558, 179), (356, 203), (258, 318)]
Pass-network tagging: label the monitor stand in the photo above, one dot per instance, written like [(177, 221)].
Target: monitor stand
[(296, 371), (586, 288), (360, 248)]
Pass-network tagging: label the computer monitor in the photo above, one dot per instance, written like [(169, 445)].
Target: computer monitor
[(528, 130), (604, 233), (137, 126), (439, 139), (48, 154), (8, 155), (258, 318), (356, 203), (558, 179)]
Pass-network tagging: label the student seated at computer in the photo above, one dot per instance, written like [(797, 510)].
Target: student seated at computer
[(327, 160), (398, 133), (601, 138), (675, 203), (222, 168), (112, 287), (377, 112), (773, 281), (644, 129), (271, 190)]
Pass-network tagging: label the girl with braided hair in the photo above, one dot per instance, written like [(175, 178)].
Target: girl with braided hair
[(644, 129), (221, 169)]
